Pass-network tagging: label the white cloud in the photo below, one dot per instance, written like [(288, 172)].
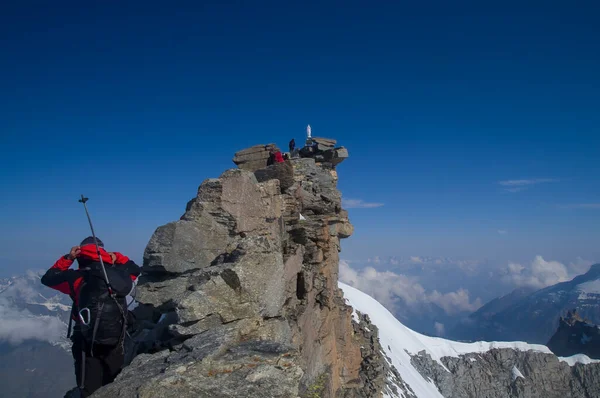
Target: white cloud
[(387, 287), (539, 274), (18, 326), (440, 329), (417, 260), (514, 268), (455, 302), (521, 185), (359, 204), (21, 289), (502, 231)]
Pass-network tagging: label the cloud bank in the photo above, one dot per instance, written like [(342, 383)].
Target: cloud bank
[(388, 287), (359, 204), (18, 326), (521, 185), (541, 273)]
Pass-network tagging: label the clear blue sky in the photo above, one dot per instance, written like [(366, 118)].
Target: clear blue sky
[(135, 103)]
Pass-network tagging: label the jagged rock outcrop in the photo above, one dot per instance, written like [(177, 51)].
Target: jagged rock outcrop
[(501, 373), (575, 335), (324, 150), (372, 367), (253, 158), (239, 297)]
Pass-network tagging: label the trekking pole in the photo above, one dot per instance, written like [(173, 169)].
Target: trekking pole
[(83, 200)]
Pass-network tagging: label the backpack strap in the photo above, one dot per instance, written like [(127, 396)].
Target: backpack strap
[(70, 321), (82, 381), (124, 312), (98, 316), (72, 295), (123, 334)]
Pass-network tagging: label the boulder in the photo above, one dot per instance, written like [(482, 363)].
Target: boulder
[(335, 156), (284, 172), (253, 158), (323, 144)]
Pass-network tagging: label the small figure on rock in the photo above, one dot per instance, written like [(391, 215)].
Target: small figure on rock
[(99, 312), (275, 157), (292, 145)]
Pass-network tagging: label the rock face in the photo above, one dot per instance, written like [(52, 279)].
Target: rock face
[(253, 158), (324, 150), (575, 335), (239, 297), (502, 373)]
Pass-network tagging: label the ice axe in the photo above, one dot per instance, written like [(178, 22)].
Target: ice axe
[(84, 200)]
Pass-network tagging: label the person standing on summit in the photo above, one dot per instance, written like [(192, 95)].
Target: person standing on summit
[(98, 289)]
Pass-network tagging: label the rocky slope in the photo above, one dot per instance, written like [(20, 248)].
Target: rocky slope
[(575, 335), (239, 297), (501, 373)]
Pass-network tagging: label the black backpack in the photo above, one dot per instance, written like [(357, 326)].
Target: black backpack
[(102, 317)]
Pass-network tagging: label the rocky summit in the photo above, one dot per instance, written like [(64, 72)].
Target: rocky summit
[(575, 335), (239, 296)]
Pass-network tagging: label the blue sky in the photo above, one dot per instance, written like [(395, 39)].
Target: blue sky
[(135, 105)]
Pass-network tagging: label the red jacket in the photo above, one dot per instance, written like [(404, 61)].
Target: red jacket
[(68, 281), (278, 157)]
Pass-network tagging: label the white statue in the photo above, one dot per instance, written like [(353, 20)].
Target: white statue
[(308, 131)]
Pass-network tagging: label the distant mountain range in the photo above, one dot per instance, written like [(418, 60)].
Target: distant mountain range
[(35, 355), (533, 316)]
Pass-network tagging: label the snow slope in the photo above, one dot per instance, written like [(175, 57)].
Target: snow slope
[(400, 342), (516, 373)]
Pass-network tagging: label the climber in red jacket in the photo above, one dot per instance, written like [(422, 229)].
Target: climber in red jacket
[(68, 281), (275, 156), (99, 309)]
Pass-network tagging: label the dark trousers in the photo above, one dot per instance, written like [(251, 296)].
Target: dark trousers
[(99, 369)]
